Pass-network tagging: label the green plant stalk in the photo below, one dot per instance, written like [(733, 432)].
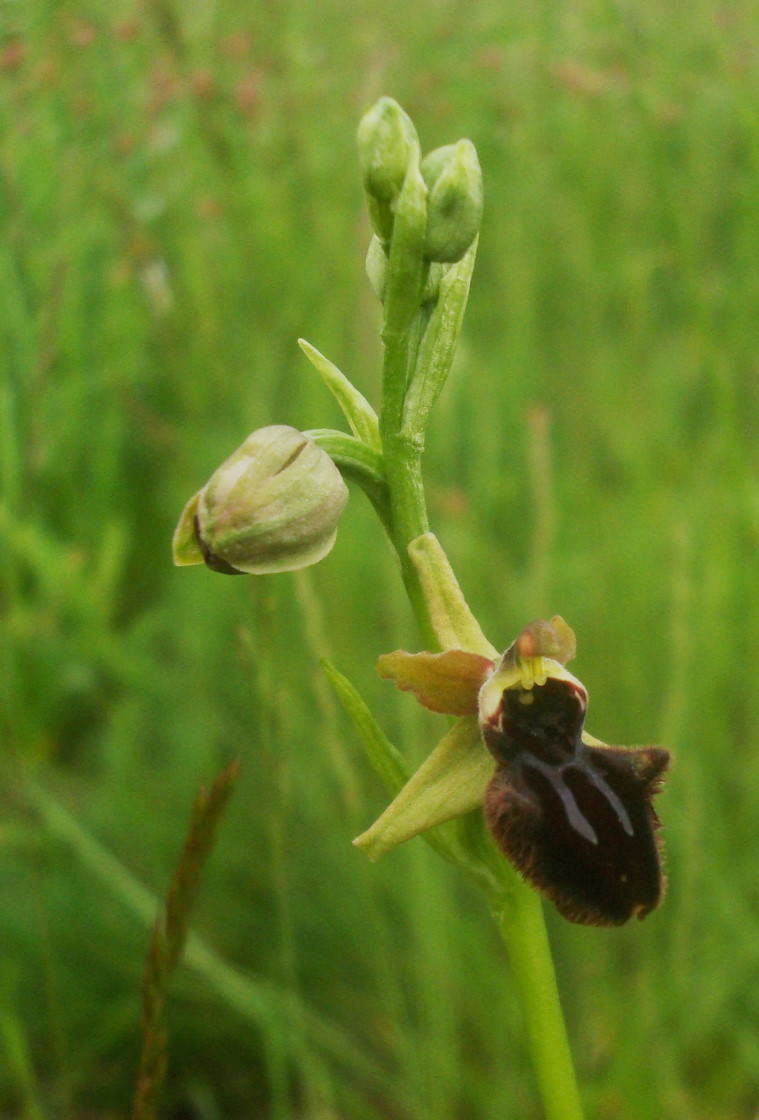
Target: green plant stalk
[(518, 911), (401, 335), (521, 924), (403, 472)]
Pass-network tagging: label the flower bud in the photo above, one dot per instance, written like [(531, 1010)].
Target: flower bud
[(454, 205), (273, 506), (386, 139)]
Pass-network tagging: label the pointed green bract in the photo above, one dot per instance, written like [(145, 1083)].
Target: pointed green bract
[(376, 267), (407, 269), (448, 784), (454, 624), (356, 408), (438, 346)]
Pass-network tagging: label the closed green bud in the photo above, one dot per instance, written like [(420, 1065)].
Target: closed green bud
[(454, 205), (386, 139), (273, 506), (435, 162)]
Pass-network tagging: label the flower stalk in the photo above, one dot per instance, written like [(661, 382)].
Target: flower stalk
[(572, 816), (416, 365)]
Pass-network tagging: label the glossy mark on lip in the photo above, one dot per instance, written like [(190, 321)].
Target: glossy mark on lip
[(577, 821)]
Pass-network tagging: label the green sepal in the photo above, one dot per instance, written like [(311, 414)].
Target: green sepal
[(450, 783), (184, 545), (454, 624), (356, 408)]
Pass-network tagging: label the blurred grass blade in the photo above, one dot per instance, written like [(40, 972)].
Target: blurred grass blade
[(272, 1009), (18, 1067), (170, 935)]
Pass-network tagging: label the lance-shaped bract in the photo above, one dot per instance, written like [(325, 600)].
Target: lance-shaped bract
[(273, 506)]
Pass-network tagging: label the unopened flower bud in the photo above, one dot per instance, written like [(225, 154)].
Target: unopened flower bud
[(273, 506), (386, 139), (454, 205)]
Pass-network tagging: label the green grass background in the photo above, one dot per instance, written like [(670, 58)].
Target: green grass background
[(180, 201)]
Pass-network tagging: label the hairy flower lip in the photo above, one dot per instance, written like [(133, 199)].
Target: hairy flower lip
[(572, 815), (576, 821)]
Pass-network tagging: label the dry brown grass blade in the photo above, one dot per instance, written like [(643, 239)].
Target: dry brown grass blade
[(170, 934)]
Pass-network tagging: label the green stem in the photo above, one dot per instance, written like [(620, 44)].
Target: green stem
[(518, 913), (416, 362), (358, 463), (521, 924), (401, 336), (403, 471)]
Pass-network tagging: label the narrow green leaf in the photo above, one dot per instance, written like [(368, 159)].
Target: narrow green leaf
[(392, 770)]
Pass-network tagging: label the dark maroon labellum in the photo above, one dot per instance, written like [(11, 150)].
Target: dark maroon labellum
[(576, 821)]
